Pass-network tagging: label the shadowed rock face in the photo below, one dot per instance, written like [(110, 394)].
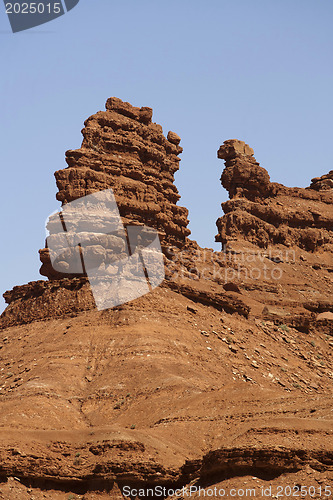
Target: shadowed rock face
[(265, 213), (122, 149)]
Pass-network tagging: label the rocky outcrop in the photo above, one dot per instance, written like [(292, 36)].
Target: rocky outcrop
[(267, 213), (124, 150), (222, 375), (323, 183), (43, 300), (242, 175), (279, 241), (272, 235)]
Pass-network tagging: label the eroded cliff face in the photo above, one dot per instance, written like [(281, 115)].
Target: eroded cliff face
[(124, 150), (279, 241), (222, 376), (267, 213), (276, 262)]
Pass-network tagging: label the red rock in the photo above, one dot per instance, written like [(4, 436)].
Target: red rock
[(124, 150), (323, 183), (135, 394), (265, 212), (325, 315), (174, 138)]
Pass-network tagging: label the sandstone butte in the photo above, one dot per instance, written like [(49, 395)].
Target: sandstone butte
[(222, 376)]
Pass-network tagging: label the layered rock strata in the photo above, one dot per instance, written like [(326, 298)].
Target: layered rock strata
[(267, 213), (276, 262), (323, 183), (124, 150), (208, 380), (279, 241), (162, 392)]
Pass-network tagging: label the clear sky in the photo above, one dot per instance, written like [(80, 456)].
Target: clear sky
[(256, 70)]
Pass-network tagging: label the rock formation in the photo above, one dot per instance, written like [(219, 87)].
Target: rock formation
[(323, 183), (267, 213), (220, 377), (122, 149), (279, 240)]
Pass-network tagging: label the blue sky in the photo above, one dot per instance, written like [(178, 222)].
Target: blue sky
[(260, 71)]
